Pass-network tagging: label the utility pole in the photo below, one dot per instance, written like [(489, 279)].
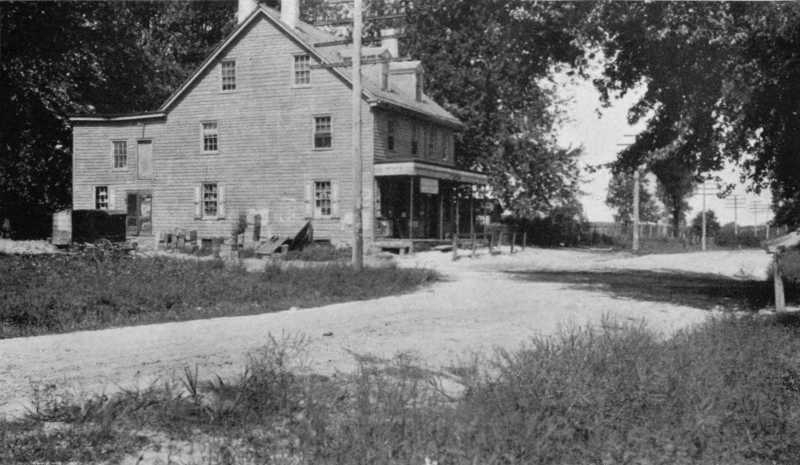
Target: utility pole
[(705, 189), (636, 209), (358, 227), (733, 202)]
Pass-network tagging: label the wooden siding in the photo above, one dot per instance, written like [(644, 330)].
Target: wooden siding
[(403, 130), (266, 155)]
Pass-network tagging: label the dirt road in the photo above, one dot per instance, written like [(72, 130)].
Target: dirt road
[(480, 305)]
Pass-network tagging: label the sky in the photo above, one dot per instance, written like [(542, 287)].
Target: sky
[(600, 131)]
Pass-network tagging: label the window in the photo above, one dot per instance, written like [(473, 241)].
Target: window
[(229, 75), (431, 137), (210, 141), (210, 200), (414, 139), (120, 154), (443, 146), (101, 197), (390, 135), (302, 70), (322, 198), (322, 132)]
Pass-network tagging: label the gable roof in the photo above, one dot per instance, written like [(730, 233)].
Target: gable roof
[(325, 47)]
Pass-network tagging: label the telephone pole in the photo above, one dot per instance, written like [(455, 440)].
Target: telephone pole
[(733, 202), (759, 207), (358, 227), (705, 189), (636, 209)]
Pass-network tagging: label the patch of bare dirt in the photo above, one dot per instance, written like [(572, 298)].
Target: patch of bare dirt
[(480, 305)]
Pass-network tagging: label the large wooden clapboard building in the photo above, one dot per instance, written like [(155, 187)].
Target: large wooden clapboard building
[(264, 127)]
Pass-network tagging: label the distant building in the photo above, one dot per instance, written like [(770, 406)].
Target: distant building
[(263, 127)]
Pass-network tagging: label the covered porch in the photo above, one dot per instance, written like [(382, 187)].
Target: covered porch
[(417, 201)]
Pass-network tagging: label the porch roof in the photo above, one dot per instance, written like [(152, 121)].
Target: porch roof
[(429, 170)]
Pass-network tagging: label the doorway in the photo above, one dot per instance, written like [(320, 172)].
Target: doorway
[(139, 221)]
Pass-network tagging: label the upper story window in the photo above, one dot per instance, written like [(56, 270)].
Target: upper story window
[(431, 139), (228, 75), (323, 132), (120, 154), (302, 70), (390, 135), (101, 197), (444, 144), (414, 139), (210, 137)]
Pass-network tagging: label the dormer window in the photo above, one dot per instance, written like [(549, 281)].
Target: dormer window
[(228, 75)]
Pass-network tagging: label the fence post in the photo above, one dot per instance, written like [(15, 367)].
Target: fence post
[(513, 240), (524, 239), (474, 245), (780, 299), (455, 247), (491, 236)]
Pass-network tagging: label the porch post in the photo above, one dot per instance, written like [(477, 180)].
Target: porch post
[(471, 214), (441, 213), (411, 208), (458, 229)]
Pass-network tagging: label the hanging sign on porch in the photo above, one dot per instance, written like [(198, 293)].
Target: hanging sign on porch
[(428, 186)]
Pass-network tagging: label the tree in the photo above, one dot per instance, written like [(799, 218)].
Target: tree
[(722, 80), (620, 198), (484, 61), (675, 183), (63, 58), (712, 224)]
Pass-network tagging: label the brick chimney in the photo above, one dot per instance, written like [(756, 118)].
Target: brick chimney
[(389, 41), (245, 8), (290, 12)]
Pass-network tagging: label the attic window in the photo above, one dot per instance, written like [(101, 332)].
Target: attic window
[(229, 75), (302, 70)]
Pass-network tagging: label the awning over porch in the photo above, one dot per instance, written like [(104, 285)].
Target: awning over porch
[(428, 170)]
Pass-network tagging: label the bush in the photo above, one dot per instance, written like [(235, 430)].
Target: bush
[(726, 237)]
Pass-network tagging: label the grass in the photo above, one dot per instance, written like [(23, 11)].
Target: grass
[(724, 392), (57, 293), (703, 291)]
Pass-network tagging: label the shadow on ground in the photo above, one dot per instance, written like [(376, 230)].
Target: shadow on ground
[(703, 291)]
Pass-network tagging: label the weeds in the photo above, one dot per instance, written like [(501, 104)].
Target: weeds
[(47, 294), (724, 392)]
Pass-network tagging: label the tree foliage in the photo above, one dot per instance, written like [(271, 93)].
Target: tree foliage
[(620, 198), (484, 61), (722, 80), (712, 224), (62, 58)]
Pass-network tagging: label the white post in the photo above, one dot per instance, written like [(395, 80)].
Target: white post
[(703, 246), (636, 209), (358, 228)]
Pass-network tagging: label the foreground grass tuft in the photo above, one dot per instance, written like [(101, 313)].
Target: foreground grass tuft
[(724, 392), (57, 293)]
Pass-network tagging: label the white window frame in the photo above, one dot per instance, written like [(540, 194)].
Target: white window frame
[(203, 136), (97, 203), (114, 166), (314, 132), (295, 70), (317, 209), (204, 214), (222, 74)]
